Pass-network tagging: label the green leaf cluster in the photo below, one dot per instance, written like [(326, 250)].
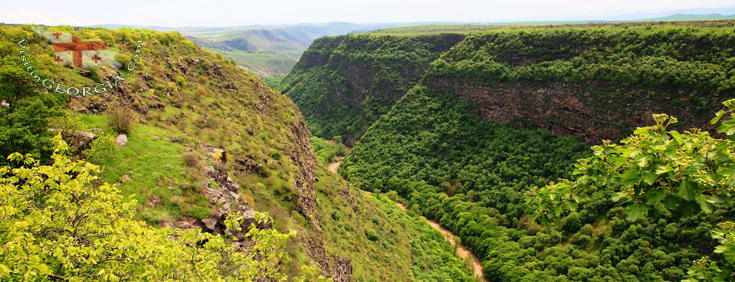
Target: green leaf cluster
[(660, 171)]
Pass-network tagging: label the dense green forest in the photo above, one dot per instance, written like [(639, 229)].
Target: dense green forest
[(344, 84), (472, 175), (656, 60), (659, 172)]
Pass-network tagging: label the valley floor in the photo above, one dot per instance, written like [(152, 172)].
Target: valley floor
[(462, 251)]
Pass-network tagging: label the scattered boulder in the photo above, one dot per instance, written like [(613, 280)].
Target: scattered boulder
[(229, 86), (85, 73), (188, 223), (96, 106), (88, 136), (121, 140), (211, 224), (156, 137), (216, 153), (175, 140), (219, 176), (232, 185), (156, 103), (249, 217), (126, 177)]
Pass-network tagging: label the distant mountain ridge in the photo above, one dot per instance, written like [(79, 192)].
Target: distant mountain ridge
[(264, 50), (704, 12), (271, 51), (691, 17)]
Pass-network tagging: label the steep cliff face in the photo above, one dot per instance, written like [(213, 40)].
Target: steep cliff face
[(572, 109), (344, 84), (593, 83), (302, 156)]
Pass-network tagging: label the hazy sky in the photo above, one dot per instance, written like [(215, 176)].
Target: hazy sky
[(247, 12)]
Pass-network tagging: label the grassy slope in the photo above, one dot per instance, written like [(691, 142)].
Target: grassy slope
[(252, 122)]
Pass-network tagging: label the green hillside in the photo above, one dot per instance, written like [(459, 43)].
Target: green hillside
[(344, 84), (467, 143), (207, 143)]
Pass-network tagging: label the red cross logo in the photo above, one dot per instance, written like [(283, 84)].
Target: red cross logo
[(57, 34), (76, 46), (96, 59), (58, 59)]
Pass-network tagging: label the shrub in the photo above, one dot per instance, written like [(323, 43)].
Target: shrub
[(341, 151), (191, 159), (371, 235), (198, 211), (275, 155), (94, 75), (68, 125), (392, 195), (120, 119), (102, 151), (123, 59)]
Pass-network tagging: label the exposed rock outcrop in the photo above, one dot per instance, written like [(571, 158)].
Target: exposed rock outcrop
[(216, 153), (305, 161), (342, 269), (224, 198), (572, 109), (302, 156)]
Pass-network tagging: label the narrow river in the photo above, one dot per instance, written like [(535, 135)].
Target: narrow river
[(462, 251)]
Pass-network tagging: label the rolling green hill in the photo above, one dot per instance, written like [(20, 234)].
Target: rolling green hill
[(269, 52)]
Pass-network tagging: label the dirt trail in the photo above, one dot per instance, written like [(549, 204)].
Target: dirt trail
[(333, 166), (461, 249)]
